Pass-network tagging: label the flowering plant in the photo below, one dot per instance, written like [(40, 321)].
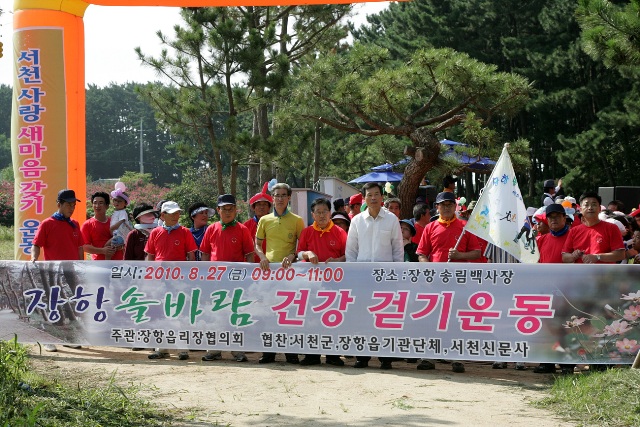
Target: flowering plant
[(595, 338)]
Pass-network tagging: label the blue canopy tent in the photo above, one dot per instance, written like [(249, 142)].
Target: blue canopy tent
[(385, 173), (384, 176)]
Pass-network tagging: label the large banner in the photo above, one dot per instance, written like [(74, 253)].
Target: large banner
[(498, 312)]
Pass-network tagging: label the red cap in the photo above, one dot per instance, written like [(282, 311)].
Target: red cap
[(635, 213), (260, 197), (356, 199)]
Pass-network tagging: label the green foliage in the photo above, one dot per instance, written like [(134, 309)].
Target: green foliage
[(607, 398), (114, 117), (28, 399), (542, 42), (611, 31)]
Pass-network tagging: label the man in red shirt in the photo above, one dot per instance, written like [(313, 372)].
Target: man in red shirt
[(323, 241), (171, 242), (550, 247), (226, 240), (261, 204), (421, 217), (438, 244), (355, 203), (593, 241), (439, 237), (96, 231), (59, 237)]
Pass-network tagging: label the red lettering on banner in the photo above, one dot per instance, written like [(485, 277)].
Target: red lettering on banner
[(473, 320), (334, 317), (290, 299), (398, 303), (531, 308)]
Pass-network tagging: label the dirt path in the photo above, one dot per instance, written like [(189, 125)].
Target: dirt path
[(225, 392)]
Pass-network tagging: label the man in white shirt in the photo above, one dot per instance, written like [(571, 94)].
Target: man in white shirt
[(374, 236)]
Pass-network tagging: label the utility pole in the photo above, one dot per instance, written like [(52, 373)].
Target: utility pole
[(141, 158)]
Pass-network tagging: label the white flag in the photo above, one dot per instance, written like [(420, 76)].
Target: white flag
[(500, 216)]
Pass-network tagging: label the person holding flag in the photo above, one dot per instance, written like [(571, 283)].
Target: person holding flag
[(444, 240), (500, 216)]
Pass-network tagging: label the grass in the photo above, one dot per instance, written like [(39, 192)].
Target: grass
[(609, 398), (28, 398), (6, 242)]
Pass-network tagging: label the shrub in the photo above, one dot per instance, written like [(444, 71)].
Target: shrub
[(6, 203)]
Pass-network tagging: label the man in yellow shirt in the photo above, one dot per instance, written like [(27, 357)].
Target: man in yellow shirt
[(281, 229)]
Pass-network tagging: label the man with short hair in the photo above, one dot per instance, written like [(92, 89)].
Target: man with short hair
[(593, 241), (616, 206), (338, 206), (438, 244), (281, 229), (394, 206), (96, 231), (374, 236), (323, 241), (59, 238), (449, 184), (227, 240), (421, 217)]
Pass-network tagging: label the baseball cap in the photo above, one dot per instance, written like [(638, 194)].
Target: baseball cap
[(549, 183), (445, 196), (356, 199), (226, 199), (555, 207), (170, 207), (67, 196)]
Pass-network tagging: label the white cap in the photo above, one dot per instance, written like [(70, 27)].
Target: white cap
[(170, 207)]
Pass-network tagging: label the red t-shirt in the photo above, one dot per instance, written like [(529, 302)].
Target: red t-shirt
[(601, 238), (252, 225), (483, 247), (331, 244), (231, 244), (96, 233), (550, 248), (170, 247), (437, 240), (419, 230), (58, 239)]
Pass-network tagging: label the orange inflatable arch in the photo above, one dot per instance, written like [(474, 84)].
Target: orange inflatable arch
[(48, 111)]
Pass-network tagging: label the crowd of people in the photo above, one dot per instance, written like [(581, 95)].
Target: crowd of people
[(362, 228)]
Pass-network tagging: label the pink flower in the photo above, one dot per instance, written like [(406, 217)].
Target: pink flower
[(633, 296), (617, 327), (627, 346), (574, 322), (632, 313)]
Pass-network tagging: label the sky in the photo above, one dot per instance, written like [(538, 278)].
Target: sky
[(112, 33)]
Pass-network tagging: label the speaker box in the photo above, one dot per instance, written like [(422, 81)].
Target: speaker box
[(429, 192), (630, 196)]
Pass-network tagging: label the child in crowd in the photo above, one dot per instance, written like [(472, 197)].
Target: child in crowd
[(120, 224)]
